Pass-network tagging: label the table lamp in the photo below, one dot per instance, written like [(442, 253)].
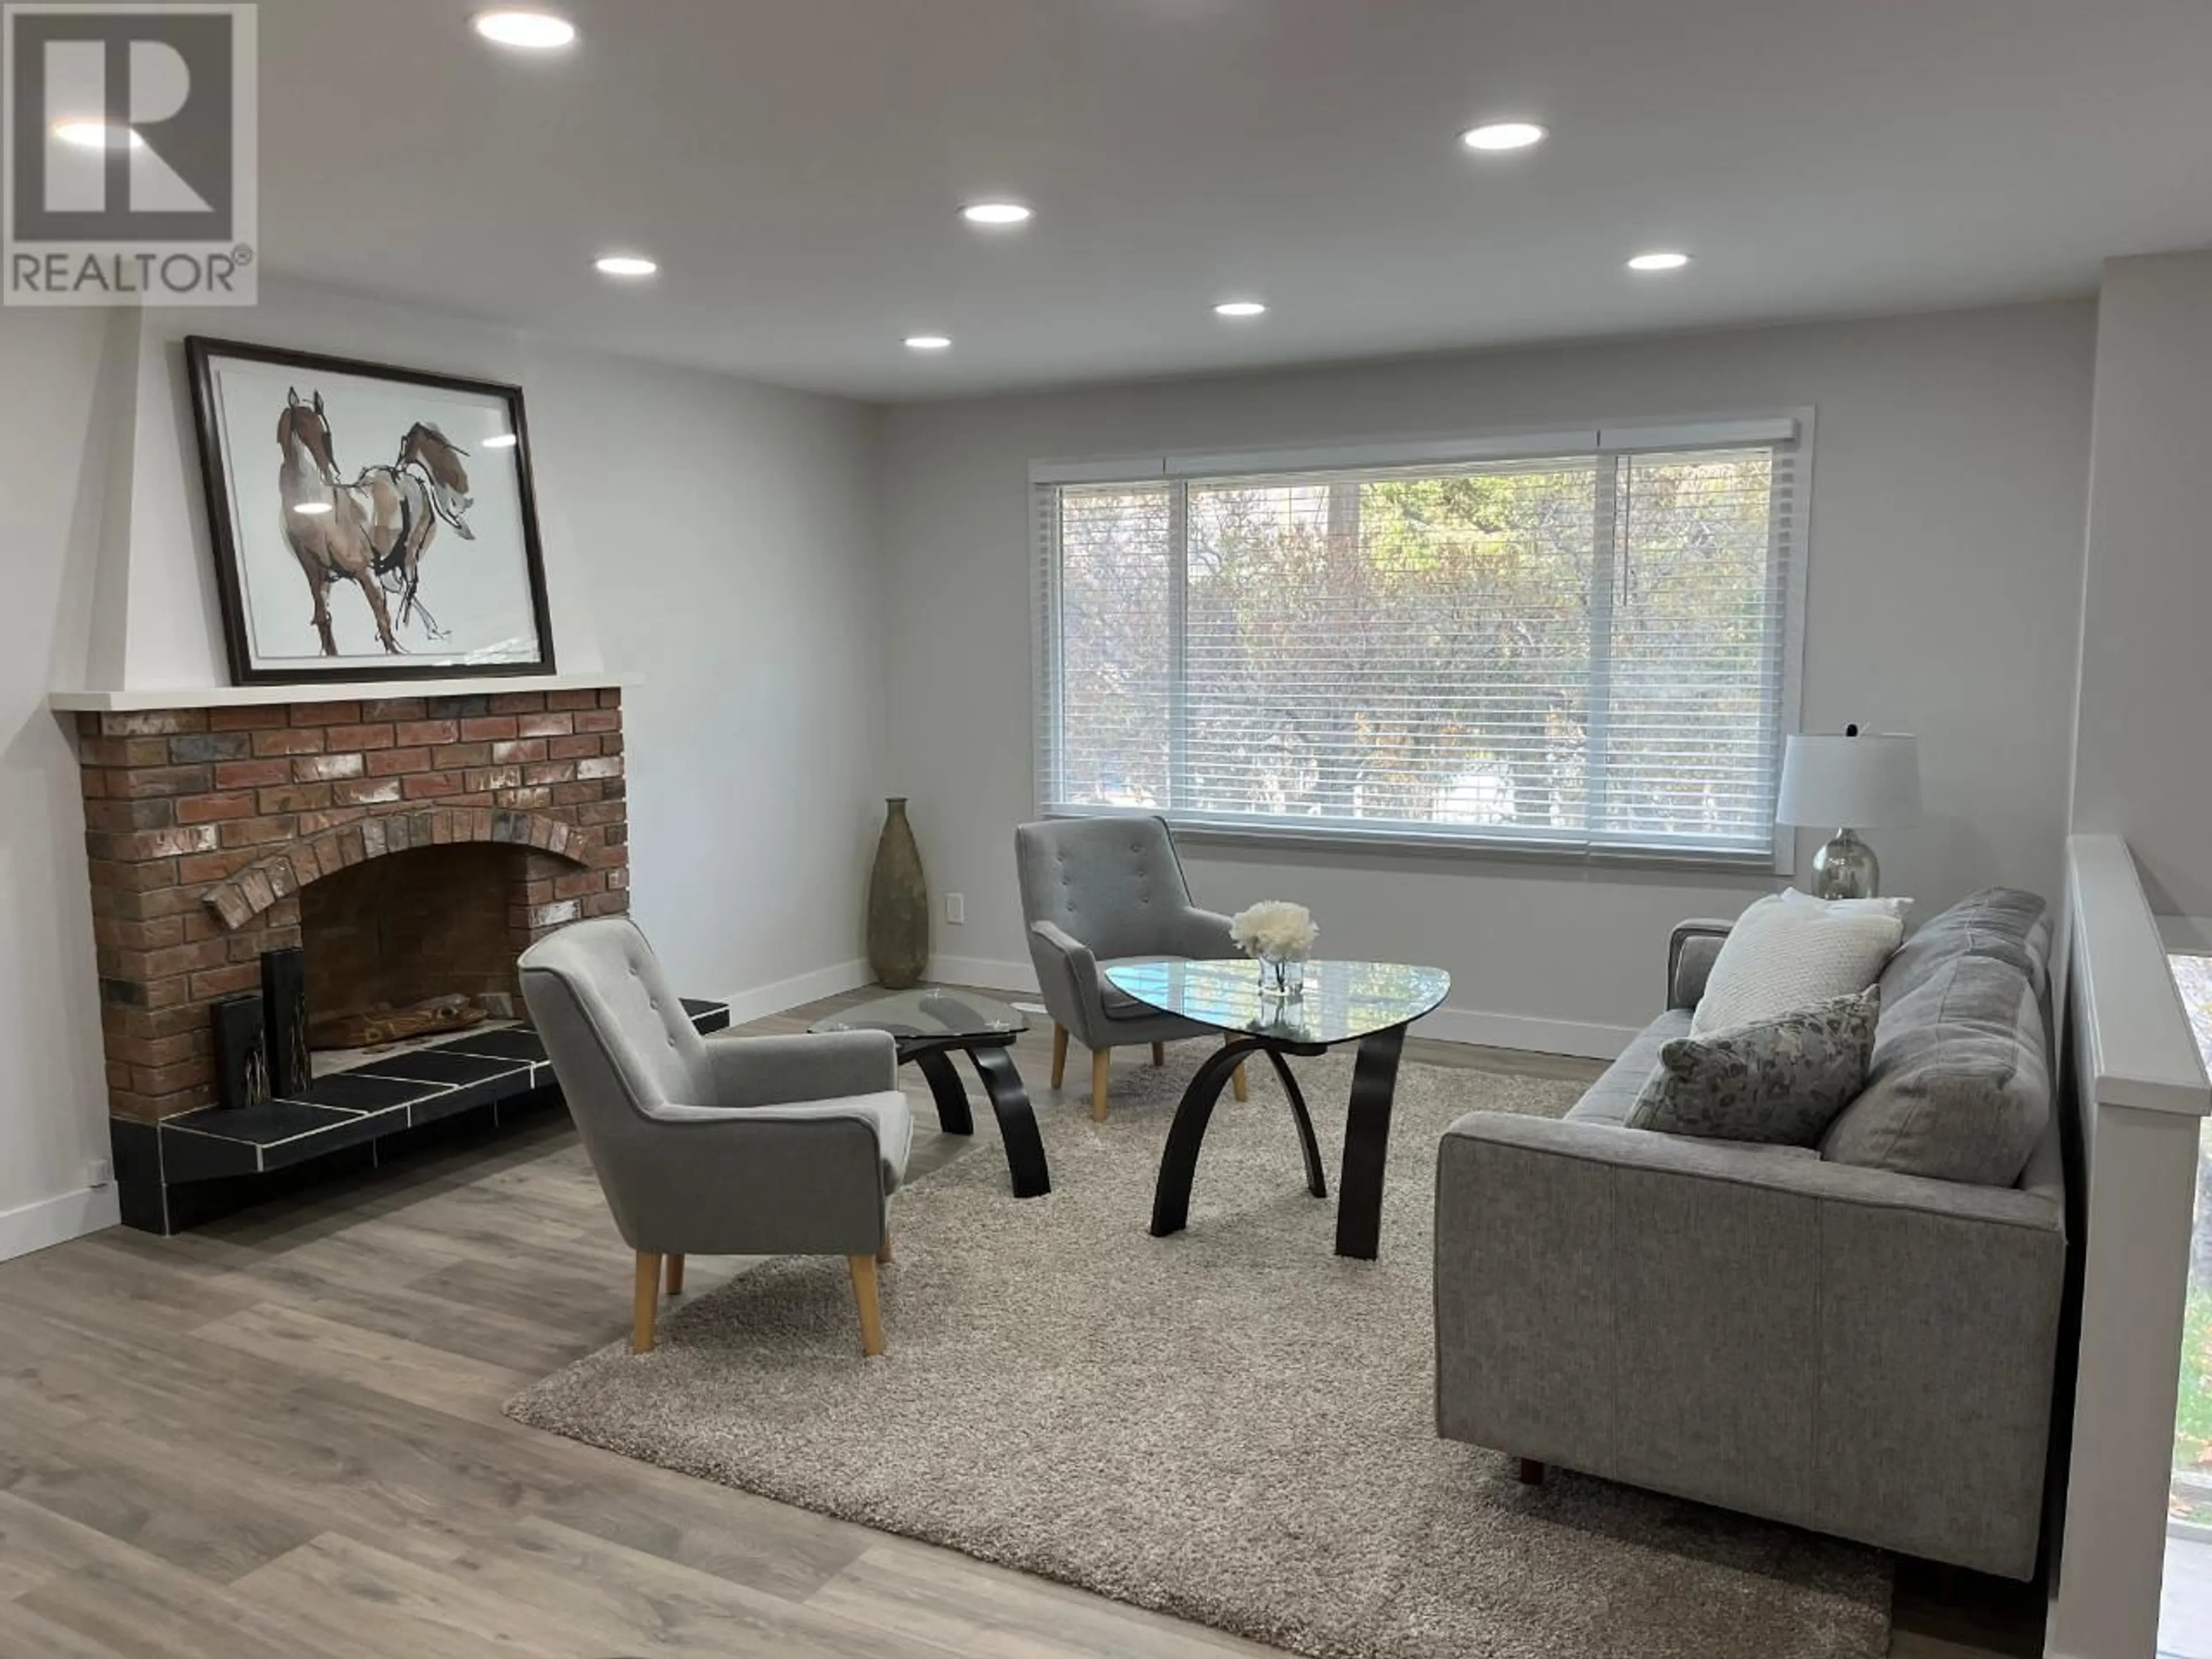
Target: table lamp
[(1854, 781)]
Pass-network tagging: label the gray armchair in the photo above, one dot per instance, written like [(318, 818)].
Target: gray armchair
[(724, 1145), (1096, 891)]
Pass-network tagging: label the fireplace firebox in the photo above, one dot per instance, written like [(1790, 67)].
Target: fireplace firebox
[(422, 930)]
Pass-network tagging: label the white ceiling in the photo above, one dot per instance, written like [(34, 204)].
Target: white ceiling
[(796, 166)]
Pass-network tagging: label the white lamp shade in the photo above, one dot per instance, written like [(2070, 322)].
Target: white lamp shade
[(1849, 783)]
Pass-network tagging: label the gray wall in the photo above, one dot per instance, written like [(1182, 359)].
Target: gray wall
[(1949, 481), (728, 532), (55, 447), (2141, 766)]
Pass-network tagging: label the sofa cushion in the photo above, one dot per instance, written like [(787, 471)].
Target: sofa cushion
[(1959, 1088), (1610, 1099), (1788, 952), (1776, 1082), (2003, 923)]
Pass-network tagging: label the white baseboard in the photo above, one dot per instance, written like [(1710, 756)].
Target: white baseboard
[(765, 999), (56, 1220), (1527, 1032)]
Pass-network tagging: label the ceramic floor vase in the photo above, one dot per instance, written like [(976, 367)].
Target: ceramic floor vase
[(898, 904)]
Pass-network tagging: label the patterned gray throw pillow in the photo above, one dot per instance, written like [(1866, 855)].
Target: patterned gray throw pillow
[(1778, 1082)]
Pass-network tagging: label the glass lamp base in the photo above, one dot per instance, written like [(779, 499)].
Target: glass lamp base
[(1846, 868)]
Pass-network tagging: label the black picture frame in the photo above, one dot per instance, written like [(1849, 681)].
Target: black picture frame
[(201, 354)]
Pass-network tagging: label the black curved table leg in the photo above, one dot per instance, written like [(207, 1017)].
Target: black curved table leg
[(1017, 1121), (952, 1114), (1179, 1158), (1317, 1183), (1366, 1141)]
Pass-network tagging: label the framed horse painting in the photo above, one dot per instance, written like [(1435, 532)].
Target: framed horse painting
[(370, 522)]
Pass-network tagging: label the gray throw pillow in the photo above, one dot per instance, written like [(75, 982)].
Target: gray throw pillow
[(1777, 1082)]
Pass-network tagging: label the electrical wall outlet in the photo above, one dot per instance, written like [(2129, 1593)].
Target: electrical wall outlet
[(956, 910), (98, 1172)]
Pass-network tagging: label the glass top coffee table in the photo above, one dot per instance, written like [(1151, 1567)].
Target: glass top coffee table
[(931, 1023), (1369, 1003)]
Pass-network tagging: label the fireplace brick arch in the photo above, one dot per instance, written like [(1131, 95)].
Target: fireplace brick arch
[(262, 885)]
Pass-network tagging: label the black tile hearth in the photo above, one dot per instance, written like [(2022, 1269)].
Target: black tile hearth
[(217, 1141), (360, 1092), (139, 1188), (467, 1079), (235, 1152), (265, 1124), (706, 1016), (505, 1042)]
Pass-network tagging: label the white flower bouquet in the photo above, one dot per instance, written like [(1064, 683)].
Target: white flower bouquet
[(1274, 930), (1280, 936)]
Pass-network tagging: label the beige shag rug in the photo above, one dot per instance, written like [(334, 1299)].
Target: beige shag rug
[(1231, 1425)]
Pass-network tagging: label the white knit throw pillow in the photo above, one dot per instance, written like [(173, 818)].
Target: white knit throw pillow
[(1789, 951)]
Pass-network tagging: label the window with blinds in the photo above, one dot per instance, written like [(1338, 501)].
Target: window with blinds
[(1583, 641)]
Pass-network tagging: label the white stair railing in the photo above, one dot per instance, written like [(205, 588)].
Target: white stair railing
[(2133, 1063)]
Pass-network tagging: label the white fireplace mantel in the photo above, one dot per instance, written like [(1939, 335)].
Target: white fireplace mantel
[(137, 698)]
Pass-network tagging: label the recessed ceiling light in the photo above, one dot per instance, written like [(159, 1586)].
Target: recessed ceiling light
[(928, 343), (525, 30), (624, 264), (97, 135), (1659, 259), (1240, 308), (311, 509), (997, 213), (500, 440), (1503, 135)]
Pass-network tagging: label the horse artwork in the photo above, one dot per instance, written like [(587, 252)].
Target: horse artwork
[(426, 486), (374, 531), (322, 520), (457, 483)]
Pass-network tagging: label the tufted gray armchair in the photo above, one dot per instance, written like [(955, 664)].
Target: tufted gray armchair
[(1096, 891), (723, 1145)]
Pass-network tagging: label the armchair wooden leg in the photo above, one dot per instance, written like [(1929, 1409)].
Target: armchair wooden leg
[(675, 1274), (884, 1249), (1058, 1054), (1236, 1078), (1100, 1066), (645, 1302), (1159, 1054), (1532, 1473), (864, 1293)]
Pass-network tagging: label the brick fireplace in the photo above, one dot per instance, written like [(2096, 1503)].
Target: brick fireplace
[(414, 846)]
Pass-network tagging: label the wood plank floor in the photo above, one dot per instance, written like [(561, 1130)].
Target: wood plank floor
[(280, 1436)]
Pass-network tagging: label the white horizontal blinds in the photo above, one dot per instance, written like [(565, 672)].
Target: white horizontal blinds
[(1696, 625), (1114, 651), (1398, 647), (1584, 649)]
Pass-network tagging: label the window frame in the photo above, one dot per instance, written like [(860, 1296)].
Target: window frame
[(1790, 570)]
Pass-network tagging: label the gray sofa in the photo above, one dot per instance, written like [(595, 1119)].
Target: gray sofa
[(1851, 1349)]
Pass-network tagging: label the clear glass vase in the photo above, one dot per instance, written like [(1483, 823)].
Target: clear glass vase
[(1281, 982)]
